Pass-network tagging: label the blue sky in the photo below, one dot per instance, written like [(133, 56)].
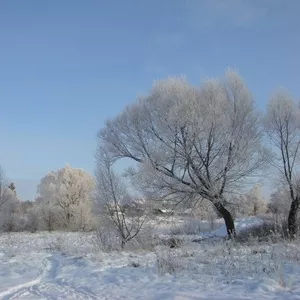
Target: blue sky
[(67, 66)]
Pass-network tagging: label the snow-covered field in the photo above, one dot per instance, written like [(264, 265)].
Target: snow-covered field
[(71, 266)]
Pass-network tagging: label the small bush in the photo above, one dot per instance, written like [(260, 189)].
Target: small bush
[(168, 261), (145, 240), (56, 244), (135, 264), (173, 242), (32, 222), (267, 231), (106, 239), (189, 227)]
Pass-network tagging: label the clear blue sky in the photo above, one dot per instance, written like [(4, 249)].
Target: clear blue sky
[(66, 66)]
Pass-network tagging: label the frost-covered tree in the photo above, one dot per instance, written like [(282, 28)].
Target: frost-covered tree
[(280, 203), (250, 203), (254, 203), (113, 196), (67, 192), (3, 189), (49, 216), (12, 187), (282, 125), (8, 204), (191, 142)]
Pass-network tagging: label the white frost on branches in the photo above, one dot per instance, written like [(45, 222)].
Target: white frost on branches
[(67, 193)]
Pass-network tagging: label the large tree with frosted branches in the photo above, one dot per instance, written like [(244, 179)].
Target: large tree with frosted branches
[(282, 124), (191, 142)]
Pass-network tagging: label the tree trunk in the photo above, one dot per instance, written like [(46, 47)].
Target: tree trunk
[(122, 244), (226, 215), (292, 219)]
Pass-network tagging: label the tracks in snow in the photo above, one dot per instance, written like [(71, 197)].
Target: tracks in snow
[(47, 285)]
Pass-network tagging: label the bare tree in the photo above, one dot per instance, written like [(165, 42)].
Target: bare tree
[(112, 197), (279, 205), (191, 142), (8, 204), (283, 130), (3, 189)]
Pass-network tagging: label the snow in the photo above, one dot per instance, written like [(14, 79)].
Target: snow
[(240, 225), (70, 266)]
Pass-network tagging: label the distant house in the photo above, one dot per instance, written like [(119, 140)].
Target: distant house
[(162, 211)]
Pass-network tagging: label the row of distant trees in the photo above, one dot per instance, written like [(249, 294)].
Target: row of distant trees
[(68, 200), (64, 202), (69, 194)]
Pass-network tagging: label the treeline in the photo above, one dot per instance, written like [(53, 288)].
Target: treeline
[(189, 146)]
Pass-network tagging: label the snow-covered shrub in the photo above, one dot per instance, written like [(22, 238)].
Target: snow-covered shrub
[(191, 226), (48, 217), (9, 217), (168, 260), (106, 237), (7, 223), (83, 218), (145, 240), (32, 220), (173, 242), (56, 244), (256, 260), (267, 231)]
